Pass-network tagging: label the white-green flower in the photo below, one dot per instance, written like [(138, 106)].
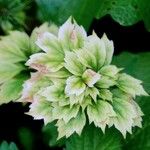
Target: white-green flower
[(15, 50), (81, 82)]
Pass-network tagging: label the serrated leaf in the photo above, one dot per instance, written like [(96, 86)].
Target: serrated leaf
[(92, 138)]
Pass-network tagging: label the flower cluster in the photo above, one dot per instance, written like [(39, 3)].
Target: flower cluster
[(74, 83), (15, 49)]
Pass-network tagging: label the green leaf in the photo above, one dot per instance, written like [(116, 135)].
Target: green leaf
[(5, 146), (11, 89), (138, 66), (59, 11), (92, 138), (50, 135), (125, 12)]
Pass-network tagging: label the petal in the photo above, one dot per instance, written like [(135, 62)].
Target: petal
[(72, 64), (109, 70), (45, 63), (105, 94), (32, 86), (96, 48), (66, 113), (74, 85), (93, 92), (74, 125), (49, 43), (125, 114), (54, 93), (90, 77), (109, 49), (41, 109), (105, 82), (100, 113), (71, 35), (130, 85)]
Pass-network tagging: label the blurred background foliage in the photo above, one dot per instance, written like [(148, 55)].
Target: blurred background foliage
[(127, 23)]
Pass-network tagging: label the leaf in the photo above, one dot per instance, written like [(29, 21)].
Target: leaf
[(138, 66), (125, 13), (11, 89), (5, 146), (50, 135), (59, 11), (92, 138)]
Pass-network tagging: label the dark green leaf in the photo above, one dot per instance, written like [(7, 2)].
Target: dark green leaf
[(50, 135), (59, 11), (5, 146), (125, 12), (92, 138)]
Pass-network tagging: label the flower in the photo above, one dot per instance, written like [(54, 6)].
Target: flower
[(76, 83), (15, 50)]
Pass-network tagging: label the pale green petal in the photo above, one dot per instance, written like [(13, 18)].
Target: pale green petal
[(73, 99), (32, 86), (41, 109), (109, 70), (66, 113), (71, 35), (131, 85), (45, 63), (105, 82), (9, 70), (45, 27), (74, 85), (49, 43), (100, 113), (93, 92), (109, 49), (74, 125), (72, 64), (105, 94), (86, 102), (90, 77), (54, 93), (125, 115), (61, 74), (93, 53)]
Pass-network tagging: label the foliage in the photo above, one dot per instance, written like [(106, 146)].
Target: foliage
[(125, 12), (5, 146), (12, 14), (93, 139)]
